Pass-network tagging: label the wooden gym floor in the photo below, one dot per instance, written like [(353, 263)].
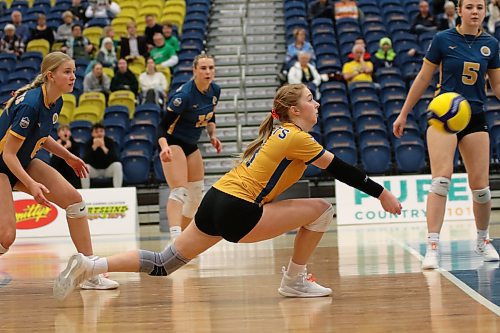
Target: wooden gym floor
[(373, 270)]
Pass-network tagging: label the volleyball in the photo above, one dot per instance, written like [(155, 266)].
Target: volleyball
[(449, 113)]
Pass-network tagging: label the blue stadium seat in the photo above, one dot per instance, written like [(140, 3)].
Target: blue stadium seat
[(8, 59), (81, 131), (376, 156), (119, 113), (335, 109), (159, 176), (148, 111), (136, 167), (345, 149), (19, 77), (329, 50), (143, 127), (409, 155), (366, 108), (115, 129)]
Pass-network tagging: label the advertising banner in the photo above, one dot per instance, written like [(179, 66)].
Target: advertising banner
[(111, 211), (355, 207)]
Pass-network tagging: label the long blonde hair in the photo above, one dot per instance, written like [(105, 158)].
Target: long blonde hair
[(50, 63), (286, 97)]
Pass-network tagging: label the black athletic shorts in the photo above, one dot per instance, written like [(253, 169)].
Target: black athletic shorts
[(187, 148), (5, 170), (477, 123), (221, 214)]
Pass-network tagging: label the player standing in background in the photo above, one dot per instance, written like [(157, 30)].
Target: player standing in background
[(465, 55)]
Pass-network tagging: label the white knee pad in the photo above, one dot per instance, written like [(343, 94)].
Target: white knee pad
[(440, 186), (482, 196), (77, 210), (321, 223), (178, 194), (3, 250), (194, 196)]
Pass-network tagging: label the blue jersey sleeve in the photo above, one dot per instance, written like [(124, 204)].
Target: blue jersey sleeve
[(434, 54), (25, 117), (178, 102), (494, 62)]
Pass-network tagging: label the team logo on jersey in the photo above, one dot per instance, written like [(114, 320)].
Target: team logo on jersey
[(25, 122), (214, 100), (19, 99), (177, 101), (485, 50), (55, 117), (452, 47)]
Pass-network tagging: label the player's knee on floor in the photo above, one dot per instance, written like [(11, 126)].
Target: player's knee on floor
[(194, 197), (440, 186), (178, 194), (481, 196), (321, 223), (161, 263), (77, 210)]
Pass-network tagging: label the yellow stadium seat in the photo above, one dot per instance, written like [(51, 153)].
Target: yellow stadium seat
[(141, 27), (87, 112), (8, 2), (38, 45), (120, 31), (174, 18), (120, 20), (174, 8), (130, 4), (123, 97), (109, 72), (96, 100), (177, 2), (93, 34), (152, 3), (68, 108), (57, 46), (166, 72), (137, 66), (154, 11), (130, 13)]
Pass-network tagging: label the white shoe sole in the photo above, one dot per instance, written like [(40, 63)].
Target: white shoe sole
[(67, 280), (301, 295), (98, 287), (484, 258), (429, 266)]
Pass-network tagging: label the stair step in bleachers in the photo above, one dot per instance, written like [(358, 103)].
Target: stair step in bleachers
[(231, 50), (250, 70), (251, 81)]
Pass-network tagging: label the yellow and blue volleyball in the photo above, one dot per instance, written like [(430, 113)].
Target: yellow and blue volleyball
[(449, 113)]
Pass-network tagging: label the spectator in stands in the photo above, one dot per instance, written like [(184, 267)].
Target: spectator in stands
[(163, 54), (152, 28), (133, 46), (300, 44), (494, 10), (22, 30), (64, 30), (347, 9), (124, 79), (11, 42), (96, 80), (320, 8), (385, 55), (107, 54), (101, 156), (424, 21), (153, 84), (78, 11), (102, 9), (42, 31), (438, 7), (170, 39), (78, 46), (66, 140), (358, 69), (304, 72), (360, 41), (449, 19), (109, 31)]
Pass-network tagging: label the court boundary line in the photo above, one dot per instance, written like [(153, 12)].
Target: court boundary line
[(453, 279)]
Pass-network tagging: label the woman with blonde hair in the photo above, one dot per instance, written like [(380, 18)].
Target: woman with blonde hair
[(25, 126), (241, 206)]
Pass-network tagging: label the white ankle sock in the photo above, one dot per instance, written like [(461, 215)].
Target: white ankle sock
[(433, 237), (482, 234), (294, 269), (175, 230), (101, 266)]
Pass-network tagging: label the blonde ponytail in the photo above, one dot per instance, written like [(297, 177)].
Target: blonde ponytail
[(286, 97), (38, 81)]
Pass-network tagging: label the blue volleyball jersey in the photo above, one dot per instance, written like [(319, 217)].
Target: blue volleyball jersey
[(30, 119), (194, 111), (464, 61)]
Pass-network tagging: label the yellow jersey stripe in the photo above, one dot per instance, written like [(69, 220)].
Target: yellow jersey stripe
[(19, 136)]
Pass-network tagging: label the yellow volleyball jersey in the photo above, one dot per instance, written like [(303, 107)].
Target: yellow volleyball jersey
[(274, 167)]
